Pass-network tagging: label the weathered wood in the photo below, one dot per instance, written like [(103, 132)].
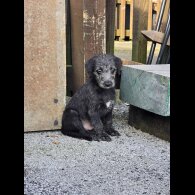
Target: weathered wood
[(68, 34), (69, 82), (149, 122), (76, 13), (122, 20), (165, 16), (44, 64), (150, 20), (131, 20), (140, 22), (88, 35), (154, 36), (147, 87), (94, 27), (110, 21), (163, 27), (158, 6)]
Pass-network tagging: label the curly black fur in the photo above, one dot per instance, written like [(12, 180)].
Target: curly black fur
[(88, 115)]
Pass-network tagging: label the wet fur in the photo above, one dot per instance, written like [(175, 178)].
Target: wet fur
[(92, 105)]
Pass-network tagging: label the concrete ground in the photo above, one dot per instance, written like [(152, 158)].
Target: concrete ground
[(123, 49), (133, 164)]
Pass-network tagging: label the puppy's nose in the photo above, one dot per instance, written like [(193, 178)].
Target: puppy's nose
[(108, 83)]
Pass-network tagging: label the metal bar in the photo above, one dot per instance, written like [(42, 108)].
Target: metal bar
[(164, 43), (153, 46), (151, 54), (162, 8), (168, 58)]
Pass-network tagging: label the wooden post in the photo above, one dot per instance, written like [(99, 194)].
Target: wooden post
[(131, 20), (110, 25), (116, 18), (150, 20), (140, 22), (122, 20), (88, 35), (44, 64), (76, 14), (163, 27), (68, 51), (165, 16), (157, 9)]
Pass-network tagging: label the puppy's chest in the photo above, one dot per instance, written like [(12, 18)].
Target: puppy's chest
[(109, 104), (106, 105)]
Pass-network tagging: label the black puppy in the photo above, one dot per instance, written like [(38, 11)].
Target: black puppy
[(88, 115)]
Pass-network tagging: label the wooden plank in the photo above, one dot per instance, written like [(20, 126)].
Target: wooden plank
[(165, 16), (158, 5), (68, 34), (147, 87), (155, 36), (88, 35), (117, 32), (94, 28), (163, 27), (44, 64), (116, 17), (122, 20), (127, 33), (131, 20), (140, 22), (150, 20), (76, 12), (110, 21), (68, 51)]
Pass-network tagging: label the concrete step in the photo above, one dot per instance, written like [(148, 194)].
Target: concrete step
[(147, 87)]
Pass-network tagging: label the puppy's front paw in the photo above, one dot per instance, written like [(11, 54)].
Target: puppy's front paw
[(112, 132), (94, 136), (105, 137)]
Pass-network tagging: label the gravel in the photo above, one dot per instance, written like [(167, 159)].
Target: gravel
[(133, 164)]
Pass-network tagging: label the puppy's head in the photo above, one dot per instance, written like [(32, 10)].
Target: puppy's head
[(104, 69)]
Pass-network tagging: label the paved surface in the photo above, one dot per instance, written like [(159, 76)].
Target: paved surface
[(123, 49), (135, 163)]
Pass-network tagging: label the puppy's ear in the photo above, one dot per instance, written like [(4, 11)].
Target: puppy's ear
[(90, 65), (118, 64)]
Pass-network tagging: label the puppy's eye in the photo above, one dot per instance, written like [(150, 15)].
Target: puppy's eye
[(98, 71)]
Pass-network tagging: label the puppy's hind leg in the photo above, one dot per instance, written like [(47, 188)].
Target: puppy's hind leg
[(72, 126)]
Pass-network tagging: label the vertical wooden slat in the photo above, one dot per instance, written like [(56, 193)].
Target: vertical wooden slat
[(68, 50), (150, 15), (44, 64), (131, 19), (122, 20), (88, 35), (110, 25), (76, 12), (94, 27), (116, 18), (140, 22), (165, 16), (157, 10)]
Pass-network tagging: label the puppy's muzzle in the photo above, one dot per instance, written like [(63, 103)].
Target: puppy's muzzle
[(108, 83)]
